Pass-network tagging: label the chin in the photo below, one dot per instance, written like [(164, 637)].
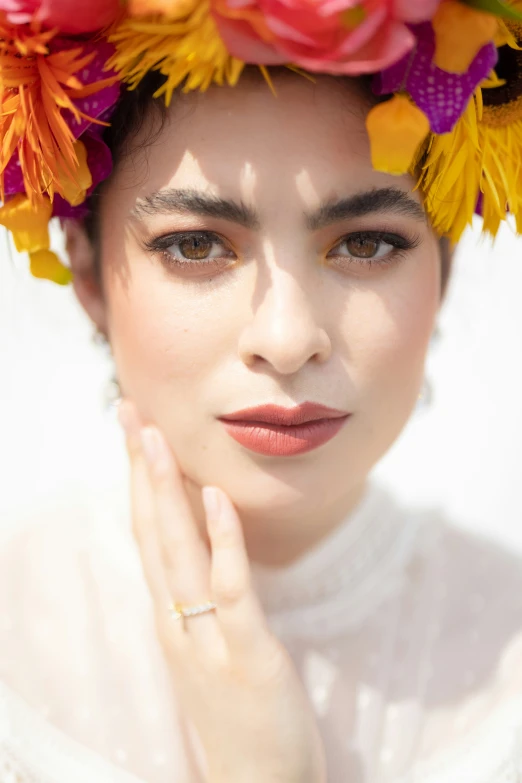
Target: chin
[(280, 486)]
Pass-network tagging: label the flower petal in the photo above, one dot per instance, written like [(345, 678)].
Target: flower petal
[(415, 10), (442, 96), (242, 42), (86, 17), (28, 223), (46, 265), (99, 160), (460, 33), (396, 129), (75, 189), (391, 44)]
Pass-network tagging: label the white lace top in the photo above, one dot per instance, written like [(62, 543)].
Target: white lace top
[(406, 631)]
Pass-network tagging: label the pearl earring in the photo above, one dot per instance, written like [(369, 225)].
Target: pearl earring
[(425, 397)]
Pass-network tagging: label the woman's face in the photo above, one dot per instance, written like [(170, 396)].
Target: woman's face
[(251, 255)]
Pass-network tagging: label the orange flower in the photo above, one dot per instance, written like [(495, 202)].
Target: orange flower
[(35, 90)]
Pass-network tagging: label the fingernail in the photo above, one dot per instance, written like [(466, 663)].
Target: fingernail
[(151, 445), (211, 502)]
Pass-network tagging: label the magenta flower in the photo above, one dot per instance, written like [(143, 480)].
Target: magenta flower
[(442, 96), (335, 36), (72, 18)]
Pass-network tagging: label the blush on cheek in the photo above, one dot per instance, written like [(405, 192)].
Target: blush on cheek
[(390, 332), (167, 338)]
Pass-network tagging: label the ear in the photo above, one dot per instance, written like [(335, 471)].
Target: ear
[(87, 287)]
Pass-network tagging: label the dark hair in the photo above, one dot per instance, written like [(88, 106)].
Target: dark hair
[(133, 113), (129, 118)]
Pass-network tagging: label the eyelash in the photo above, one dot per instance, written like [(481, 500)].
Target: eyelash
[(400, 244), (162, 244)]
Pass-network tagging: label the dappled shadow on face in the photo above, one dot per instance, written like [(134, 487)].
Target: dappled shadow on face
[(280, 181)]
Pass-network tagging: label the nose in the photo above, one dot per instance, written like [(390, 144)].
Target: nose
[(285, 330)]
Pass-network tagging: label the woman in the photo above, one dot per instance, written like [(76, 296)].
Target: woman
[(269, 297)]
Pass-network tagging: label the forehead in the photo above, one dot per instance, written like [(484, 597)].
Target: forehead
[(309, 139)]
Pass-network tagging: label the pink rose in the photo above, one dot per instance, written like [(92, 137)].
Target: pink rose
[(336, 36), (74, 18)]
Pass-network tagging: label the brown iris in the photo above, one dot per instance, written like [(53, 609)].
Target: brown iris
[(196, 248), (363, 247)]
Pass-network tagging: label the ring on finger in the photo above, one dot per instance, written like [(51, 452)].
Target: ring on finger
[(179, 611)]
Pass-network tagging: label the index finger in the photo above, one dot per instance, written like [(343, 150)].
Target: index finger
[(142, 507), (177, 559)]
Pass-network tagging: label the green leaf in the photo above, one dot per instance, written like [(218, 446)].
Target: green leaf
[(495, 7)]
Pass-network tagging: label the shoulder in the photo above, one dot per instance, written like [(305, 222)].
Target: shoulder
[(475, 591), (40, 555), (35, 553), (43, 538), (58, 567)]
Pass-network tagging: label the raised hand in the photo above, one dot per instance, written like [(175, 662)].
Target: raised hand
[(233, 678)]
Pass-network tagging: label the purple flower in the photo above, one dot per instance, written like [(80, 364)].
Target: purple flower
[(441, 95)]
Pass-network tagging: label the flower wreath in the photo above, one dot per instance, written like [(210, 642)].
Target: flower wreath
[(452, 70)]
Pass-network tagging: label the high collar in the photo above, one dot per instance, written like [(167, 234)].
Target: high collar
[(338, 582), (332, 587)]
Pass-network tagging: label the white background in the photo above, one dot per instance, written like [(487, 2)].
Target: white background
[(463, 452)]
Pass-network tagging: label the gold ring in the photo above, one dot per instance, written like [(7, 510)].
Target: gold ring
[(178, 611)]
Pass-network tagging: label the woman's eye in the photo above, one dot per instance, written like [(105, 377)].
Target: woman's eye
[(370, 247), (196, 247), (196, 251)]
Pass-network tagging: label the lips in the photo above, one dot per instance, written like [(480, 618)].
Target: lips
[(276, 431)]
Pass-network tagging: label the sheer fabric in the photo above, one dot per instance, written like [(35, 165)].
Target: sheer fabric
[(406, 631)]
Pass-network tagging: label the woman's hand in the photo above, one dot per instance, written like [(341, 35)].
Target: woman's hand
[(234, 679)]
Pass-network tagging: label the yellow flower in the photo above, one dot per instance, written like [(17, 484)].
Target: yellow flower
[(396, 129), (186, 49), (476, 158), (172, 8), (450, 176), (29, 225), (46, 265), (460, 33), (482, 156)]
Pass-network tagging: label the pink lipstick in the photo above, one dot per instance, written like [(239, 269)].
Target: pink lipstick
[(284, 432)]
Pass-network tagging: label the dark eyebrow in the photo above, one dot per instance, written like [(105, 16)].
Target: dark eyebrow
[(196, 202), (381, 200)]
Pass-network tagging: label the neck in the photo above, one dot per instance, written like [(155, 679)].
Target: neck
[(277, 540)]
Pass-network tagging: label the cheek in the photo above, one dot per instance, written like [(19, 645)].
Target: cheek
[(388, 330), (167, 338)]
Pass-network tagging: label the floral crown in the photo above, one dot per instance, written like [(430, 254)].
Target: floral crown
[(451, 71)]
